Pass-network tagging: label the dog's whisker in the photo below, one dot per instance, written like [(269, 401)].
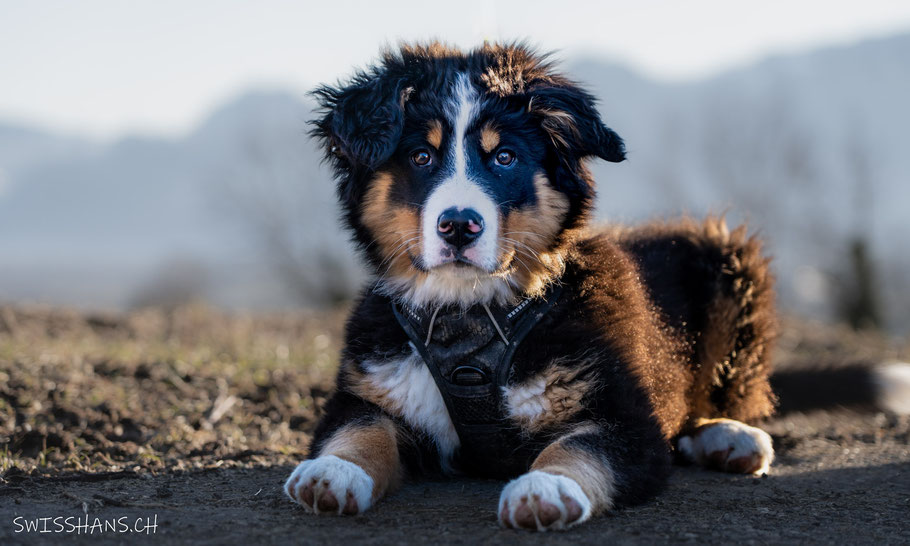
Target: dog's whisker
[(415, 233), (395, 250), (392, 258), (530, 233), (402, 235), (519, 245)]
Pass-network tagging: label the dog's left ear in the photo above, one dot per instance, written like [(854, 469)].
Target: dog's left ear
[(568, 115), (362, 123)]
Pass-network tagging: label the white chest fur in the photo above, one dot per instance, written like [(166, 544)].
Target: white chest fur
[(410, 392)]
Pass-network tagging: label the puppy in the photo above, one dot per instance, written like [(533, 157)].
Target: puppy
[(502, 335)]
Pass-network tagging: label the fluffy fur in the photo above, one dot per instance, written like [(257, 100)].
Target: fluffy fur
[(658, 331)]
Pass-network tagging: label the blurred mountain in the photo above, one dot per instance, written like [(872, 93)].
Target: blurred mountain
[(810, 149), (22, 147), (99, 227)]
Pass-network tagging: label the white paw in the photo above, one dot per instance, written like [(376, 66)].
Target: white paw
[(329, 485), (730, 446), (542, 501)]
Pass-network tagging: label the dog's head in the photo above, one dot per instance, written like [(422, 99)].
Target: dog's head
[(462, 174)]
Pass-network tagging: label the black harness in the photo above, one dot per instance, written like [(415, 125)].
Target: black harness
[(469, 353)]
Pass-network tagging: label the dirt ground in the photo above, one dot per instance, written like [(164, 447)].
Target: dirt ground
[(191, 419)]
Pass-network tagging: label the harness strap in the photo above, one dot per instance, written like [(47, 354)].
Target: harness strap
[(469, 355)]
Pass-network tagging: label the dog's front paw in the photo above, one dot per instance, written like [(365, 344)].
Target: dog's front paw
[(329, 485), (542, 501), (729, 446)]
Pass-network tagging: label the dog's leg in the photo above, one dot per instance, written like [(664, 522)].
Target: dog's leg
[(728, 445), (585, 472), (567, 484), (356, 466)]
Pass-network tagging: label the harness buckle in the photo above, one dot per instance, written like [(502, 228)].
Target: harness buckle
[(469, 376)]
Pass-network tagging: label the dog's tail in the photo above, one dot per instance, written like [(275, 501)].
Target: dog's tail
[(860, 386), (716, 285)]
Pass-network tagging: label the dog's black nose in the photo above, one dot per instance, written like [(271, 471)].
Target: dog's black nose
[(459, 228)]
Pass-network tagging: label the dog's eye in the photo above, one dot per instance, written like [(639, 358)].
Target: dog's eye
[(421, 158), (505, 157)]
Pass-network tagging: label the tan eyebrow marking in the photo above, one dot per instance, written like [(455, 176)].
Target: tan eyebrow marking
[(434, 133), (489, 137)]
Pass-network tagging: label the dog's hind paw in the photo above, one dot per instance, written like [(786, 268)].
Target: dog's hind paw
[(729, 446), (542, 501), (329, 485)]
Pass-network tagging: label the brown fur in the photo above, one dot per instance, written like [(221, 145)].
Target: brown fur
[(618, 302), (591, 472), (360, 384), (434, 134), (513, 69), (395, 228), (701, 423), (528, 236), (374, 448), (562, 393), (730, 357), (489, 138), (556, 123)]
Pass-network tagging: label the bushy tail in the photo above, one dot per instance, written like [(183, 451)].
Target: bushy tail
[(865, 387)]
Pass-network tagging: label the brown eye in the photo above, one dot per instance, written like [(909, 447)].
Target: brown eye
[(505, 157), (421, 158)]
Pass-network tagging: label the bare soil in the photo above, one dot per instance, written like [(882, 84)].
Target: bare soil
[(191, 419)]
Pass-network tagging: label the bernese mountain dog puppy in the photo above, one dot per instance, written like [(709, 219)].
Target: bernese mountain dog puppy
[(503, 334)]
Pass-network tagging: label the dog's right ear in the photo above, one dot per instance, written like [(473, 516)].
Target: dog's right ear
[(362, 122)]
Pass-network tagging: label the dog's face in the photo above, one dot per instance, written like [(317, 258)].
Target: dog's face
[(461, 175)]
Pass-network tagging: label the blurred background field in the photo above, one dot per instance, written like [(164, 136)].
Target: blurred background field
[(182, 389)]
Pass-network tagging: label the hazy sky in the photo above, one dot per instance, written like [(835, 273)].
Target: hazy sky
[(105, 67)]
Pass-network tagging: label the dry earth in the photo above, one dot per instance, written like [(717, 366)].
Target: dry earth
[(191, 419)]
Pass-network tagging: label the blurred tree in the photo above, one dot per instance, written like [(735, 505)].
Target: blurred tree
[(858, 296), (178, 281), (270, 194), (762, 161), (767, 165)]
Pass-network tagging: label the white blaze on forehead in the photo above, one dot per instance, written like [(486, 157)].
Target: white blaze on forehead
[(462, 112), (458, 190)]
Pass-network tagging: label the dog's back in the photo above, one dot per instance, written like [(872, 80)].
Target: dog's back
[(714, 288)]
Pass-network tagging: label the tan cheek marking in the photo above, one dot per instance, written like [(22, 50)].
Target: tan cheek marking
[(395, 228), (374, 448), (434, 134), (375, 202), (533, 232), (551, 397), (593, 474), (489, 138), (546, 218)]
